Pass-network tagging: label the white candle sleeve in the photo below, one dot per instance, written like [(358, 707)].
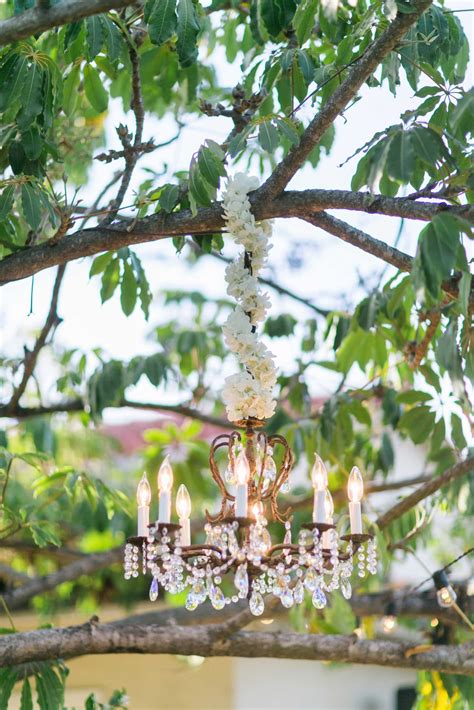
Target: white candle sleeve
[(143, 520), (327, 536), (164, 507), (185, 533), (241, 502), (319, 509), (355, 512)]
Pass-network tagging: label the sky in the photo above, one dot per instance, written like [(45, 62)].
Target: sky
[(331, 269)]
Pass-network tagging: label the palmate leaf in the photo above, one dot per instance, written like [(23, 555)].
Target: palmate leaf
[(187, 29), (161, 18), (438, 246), (401, 157)]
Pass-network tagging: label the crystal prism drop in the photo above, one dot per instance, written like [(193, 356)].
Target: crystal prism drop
[(287, 598), (287, 538), (311, 579), (199, 591), (270, 469), (241, 581), (191, 603), (154, 590), (319, 599), (217, 597), (346, 588), (298, 593), (256, 604)]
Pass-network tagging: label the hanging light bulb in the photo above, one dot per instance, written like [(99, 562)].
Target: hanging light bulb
[(165, 483), (143, 492), (143, 512), (183, 508), (355, 490), (242, 475), (389, 621), (445, 594), (319, 478)]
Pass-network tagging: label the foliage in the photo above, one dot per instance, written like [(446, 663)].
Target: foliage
[(408, 339)]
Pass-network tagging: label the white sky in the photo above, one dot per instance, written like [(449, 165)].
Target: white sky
[(331, 268)]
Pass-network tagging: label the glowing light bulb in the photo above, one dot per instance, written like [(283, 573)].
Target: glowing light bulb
[(328, 506), (242, 469), (143, 492), (183, 502), (165, 475), (445, 594), (319, 474), (355, 490), (257, 510), (165, 483), (355, 487), (143, 500), (389, 623)]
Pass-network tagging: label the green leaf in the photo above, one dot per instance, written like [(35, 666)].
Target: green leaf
[(12, 79), (277, 14), (128, 289), (306, 65), (32, 142), (457, 433), (238, 142), (160, 16), (95, 36), (8, 678), (169, 197), (400, 158), (6, 201), (427, 144), (268, 136), (31, 205), (110, 279), (287, 128), (114, 41), (187, 29), (100, 262), (31, 95), (200, 190), (210, 166), (418, 422), (438, 246), (26, 701), (94, 88), (305, 20), (461, 118)]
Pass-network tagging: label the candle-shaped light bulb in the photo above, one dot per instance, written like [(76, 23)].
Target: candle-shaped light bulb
[(328, 506), (257, 510), (183, 508), (165, 475), (319, 478), (319, 474), (165, 483), (143, 500), (355, 490), (242, 475)]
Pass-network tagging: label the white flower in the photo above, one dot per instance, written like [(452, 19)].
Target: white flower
[(249, 392)]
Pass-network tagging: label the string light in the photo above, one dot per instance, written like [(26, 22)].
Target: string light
[(389, 621)]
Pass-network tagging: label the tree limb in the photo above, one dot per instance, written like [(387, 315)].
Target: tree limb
[(339, 100), (96, 638), (31, 357), (307, 204), (39, 19), (427, 489)]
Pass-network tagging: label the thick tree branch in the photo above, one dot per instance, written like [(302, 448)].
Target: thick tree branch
[(95, 638), (38, 19), (369, 244), (427, 489), (208, 220), (339, 100), (31, 356)]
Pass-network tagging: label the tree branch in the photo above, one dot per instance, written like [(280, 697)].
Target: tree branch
[(95, 638), (339, 100), (427, 489), (31, 357), (369, 244), (39, 19), (307, 204)]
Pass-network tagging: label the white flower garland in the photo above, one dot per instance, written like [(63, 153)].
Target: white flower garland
[(248, 393)]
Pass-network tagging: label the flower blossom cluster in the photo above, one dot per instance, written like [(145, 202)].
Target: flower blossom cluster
[(248, 393)]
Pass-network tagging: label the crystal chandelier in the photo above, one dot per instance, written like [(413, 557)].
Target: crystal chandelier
[(237, 539), (237, 542)]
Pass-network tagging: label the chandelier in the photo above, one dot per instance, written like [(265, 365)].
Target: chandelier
[(237, 558)]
